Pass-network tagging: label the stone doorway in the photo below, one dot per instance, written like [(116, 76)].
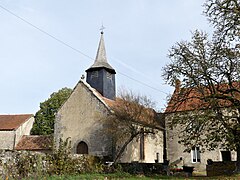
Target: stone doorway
[(82, 148)]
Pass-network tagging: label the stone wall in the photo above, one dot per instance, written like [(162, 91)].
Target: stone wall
[(144, 168), (176, 154), (8, 157), (82, 119), (7, 139), (24, 129), (153, 144)]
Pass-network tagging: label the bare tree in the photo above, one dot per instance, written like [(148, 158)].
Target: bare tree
[(132, 116), (210, 92), (225, 16)]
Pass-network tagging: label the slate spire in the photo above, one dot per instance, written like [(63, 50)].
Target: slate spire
[(101, 58), (101, 75)]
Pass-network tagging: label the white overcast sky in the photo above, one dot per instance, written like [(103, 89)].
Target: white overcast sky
[(138, 35)]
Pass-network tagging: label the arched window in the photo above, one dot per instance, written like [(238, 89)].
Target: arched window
[(82, 148)]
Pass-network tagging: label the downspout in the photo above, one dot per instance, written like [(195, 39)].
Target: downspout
[(165, 160), (164, 147), (14, 139)]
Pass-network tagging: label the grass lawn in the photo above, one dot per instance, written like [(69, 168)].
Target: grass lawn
[(131, 177), (105, 177)]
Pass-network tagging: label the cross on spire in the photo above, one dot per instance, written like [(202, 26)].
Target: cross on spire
[(102, 28)]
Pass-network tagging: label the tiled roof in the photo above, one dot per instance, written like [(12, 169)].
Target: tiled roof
[(188, 99), (12, 122), (35, 142), (111, 105)]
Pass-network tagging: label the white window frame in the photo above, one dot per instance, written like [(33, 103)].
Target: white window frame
[(195, 155)]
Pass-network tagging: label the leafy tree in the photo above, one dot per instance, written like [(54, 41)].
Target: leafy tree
[(44, 118), (132, 116), (209, 72)]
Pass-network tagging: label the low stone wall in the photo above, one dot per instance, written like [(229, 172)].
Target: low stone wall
[(144, 168), (22, 164), (5, 156), (9, 157), (221, 168)]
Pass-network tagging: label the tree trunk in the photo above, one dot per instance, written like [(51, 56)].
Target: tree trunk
[(124, 147), (238, 160)]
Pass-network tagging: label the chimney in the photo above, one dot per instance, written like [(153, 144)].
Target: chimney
[(177, 85)]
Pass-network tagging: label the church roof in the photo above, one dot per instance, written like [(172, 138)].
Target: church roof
[(12, 122), (101, 58), (119, 103), (35, 142)]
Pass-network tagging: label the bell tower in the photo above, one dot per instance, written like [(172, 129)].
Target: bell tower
[(101, 75)]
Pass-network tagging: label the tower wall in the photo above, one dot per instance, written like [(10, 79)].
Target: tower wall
[(103, 81)]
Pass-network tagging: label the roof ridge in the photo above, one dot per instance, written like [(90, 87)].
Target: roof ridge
[(97, 94), (15, 114)]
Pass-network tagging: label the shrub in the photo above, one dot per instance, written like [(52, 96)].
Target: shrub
[(60, 162)]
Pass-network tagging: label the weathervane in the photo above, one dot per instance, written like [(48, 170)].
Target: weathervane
[(102, 28)]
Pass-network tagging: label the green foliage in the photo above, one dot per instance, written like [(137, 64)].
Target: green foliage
[(60, 162), (24, 164), (44, 118)]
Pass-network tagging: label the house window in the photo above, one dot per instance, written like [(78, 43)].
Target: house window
[(195, 154), (142, 154), (82, 148), (226, 155)]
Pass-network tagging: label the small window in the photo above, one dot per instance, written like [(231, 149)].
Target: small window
[(195, 154), (94, 74), (226, 155)]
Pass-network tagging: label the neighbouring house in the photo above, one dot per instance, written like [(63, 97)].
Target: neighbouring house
[(82, 117), (37, 143), (176, 151), (13, 128)]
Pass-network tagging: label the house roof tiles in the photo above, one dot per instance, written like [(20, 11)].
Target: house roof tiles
[(34, 143), (188, 99), (12, 122)]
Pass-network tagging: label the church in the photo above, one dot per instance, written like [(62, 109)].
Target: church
[(81, 117)]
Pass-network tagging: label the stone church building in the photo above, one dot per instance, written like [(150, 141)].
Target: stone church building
[(81, 118)]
